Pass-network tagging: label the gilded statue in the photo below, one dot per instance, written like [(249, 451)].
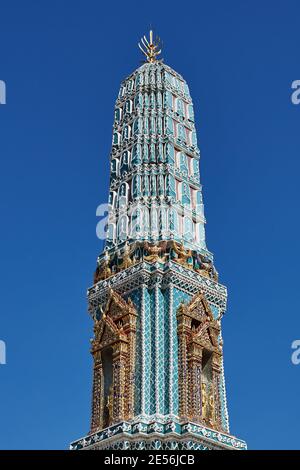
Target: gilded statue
[(208, 404), (103, 271), (212, 408), (181, 255), (109, 404), (204, 396), (126, 257), (205, 267), (155, 252)]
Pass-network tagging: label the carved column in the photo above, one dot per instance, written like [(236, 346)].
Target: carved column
[(184, 326), (130, 331), (216, 380), (120, 358), (194, 384), (97, 394)]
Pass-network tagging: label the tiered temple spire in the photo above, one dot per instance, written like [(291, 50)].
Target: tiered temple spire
[(156, 301)]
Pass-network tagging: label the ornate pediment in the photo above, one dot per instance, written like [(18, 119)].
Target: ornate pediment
[(107, 332), (199, 321), (197, 308), (116, 307), (206, 336)]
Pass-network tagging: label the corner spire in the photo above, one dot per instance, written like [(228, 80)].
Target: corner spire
[(149, 48)]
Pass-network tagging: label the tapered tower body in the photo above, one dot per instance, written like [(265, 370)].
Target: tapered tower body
[(156, 302)]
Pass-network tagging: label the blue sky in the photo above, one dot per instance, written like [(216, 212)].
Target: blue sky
[(62, 63)]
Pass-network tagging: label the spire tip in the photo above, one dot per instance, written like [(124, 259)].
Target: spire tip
[(151, 49)]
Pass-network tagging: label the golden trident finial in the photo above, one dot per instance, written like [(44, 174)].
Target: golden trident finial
[(149, 48)]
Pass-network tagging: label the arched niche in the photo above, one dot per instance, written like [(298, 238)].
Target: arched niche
[(199, 362), (113, 351)]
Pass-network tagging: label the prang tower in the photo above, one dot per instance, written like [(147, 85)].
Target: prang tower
[(156, 302)]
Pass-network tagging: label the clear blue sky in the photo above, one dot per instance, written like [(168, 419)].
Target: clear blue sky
[(62, 63)]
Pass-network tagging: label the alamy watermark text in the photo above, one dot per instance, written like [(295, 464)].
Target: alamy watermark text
[(2, 92)]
